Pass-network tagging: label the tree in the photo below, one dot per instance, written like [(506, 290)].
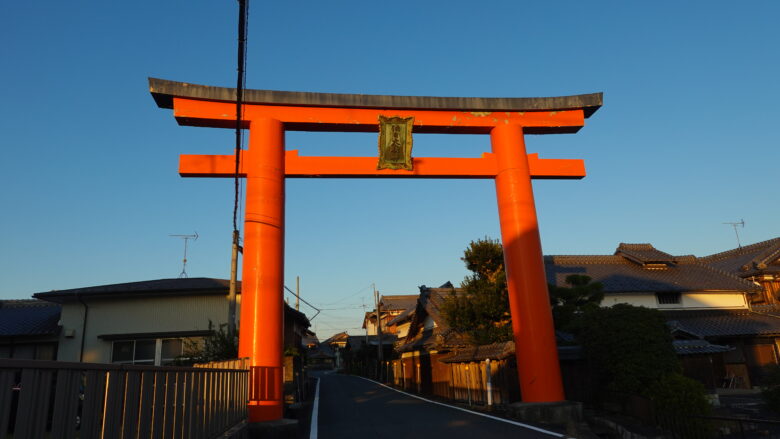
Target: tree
[(568, 303), (482, 313), (217, 346)]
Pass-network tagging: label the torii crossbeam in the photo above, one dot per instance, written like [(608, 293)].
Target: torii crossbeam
[(266, 164)]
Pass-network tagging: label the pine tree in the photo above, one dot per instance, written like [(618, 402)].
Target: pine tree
[(482, 313)]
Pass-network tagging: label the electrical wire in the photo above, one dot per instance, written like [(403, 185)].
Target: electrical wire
[(243, 16), (348, 297)]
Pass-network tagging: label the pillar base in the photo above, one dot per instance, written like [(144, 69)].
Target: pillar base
[(563, 414), (277, 429)]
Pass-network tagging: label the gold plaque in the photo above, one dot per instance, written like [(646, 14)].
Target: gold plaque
[(395, 143)]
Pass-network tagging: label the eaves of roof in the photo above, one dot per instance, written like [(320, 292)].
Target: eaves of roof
[(159, 287), (724, 323)]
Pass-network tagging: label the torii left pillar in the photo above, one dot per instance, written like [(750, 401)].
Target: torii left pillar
[(263, 270)]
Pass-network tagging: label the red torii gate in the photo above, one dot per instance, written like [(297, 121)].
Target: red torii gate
[(266, 164)]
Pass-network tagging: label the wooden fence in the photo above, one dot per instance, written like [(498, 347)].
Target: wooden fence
[(464, 381), (240, 363), (61, 400)]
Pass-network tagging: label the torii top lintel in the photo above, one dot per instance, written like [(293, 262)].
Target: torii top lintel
[(201, 105)]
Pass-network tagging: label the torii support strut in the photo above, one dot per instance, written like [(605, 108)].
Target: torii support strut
[(266, 164)]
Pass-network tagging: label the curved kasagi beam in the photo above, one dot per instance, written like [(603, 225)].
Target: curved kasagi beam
[(203, 105)]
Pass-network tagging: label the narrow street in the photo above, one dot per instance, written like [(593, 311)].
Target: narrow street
[(351, 407)]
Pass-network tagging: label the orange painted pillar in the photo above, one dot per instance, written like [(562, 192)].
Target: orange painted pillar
[(532, 324), (262, 311)]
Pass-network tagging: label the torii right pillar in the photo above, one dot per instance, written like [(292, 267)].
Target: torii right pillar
[(532, 323)]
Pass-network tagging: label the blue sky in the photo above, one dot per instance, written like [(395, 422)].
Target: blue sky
[(89, 189)]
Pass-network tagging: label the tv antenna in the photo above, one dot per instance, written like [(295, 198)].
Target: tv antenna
[(186, 238), (736, 232)]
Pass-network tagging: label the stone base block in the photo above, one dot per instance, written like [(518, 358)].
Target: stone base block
[(563, 414), (278, 429)]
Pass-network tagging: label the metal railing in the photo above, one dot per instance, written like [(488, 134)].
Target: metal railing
[(81, 400)]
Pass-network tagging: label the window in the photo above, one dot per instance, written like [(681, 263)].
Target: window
[(171, 348), (122, 352), (144, 352), (668, 298), (150, 352)]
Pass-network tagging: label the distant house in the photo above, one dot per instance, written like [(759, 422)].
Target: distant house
[(337, 344), (147, 322), (759, 262), (428, 339), (29, 329), (391, 306)]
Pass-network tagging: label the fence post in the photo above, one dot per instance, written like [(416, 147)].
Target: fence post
[(468, 383), (488, 383)]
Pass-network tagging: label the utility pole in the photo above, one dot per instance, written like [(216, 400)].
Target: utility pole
[(297, 293), (380, 354), (233, 286)]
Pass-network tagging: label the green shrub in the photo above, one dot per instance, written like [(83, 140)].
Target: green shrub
[(675, 393), (771, 389), (628, 347), (679, 402)]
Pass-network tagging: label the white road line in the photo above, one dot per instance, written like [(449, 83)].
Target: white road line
[(314, 409), (519, 424)]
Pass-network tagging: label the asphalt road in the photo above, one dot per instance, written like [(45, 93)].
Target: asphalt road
[(350, 407)]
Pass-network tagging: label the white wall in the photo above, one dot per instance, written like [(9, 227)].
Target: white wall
[(135, 315), (702, 300), (714, 300)]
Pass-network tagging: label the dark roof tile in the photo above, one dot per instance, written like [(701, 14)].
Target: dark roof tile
[(622, 274), (724, 323), (643, 253), (698, 347), (28, 318), (761, 257)]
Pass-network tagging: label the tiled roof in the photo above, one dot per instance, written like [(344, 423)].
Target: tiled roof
[(400, 318), (441, 336), (495, 351), (698, 347), (761, 257), (723, 323), (192, 285), (341, 336), (358, 341), (500, 351), (398, 302), (644, 271), (643, 253), (28, 318), (322, 351)]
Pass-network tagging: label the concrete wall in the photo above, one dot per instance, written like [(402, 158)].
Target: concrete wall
[(134, 315)]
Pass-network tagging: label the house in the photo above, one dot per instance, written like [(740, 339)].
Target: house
[(391, 306), (701, 302), (147, 322), (759, 262), (29, 329), (428, 339), (641, 275), (337, 344)]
